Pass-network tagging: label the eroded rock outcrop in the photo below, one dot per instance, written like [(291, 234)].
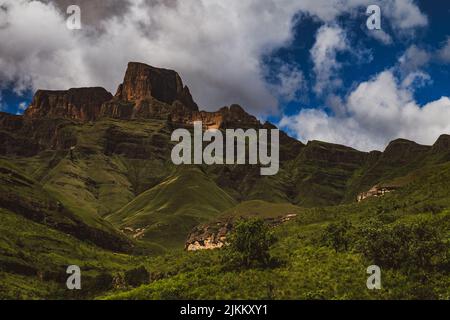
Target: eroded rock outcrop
[(214, 236), (143, 81), (232, 117), (82, 104), (375, 191), (150, 93), (146, 92)]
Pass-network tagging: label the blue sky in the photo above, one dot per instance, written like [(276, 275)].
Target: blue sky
[(312, 67), (379, 56)]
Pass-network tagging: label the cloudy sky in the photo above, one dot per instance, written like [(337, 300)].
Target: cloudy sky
[(311, 66)]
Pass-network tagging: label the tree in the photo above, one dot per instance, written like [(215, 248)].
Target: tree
[(249, 244), (418, 245), (337, 235)]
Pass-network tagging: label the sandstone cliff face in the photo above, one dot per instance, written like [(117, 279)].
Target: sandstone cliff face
[(214, 235), (232, 117), (375, 191), (82, 104), (150, 93), (146, 92), (208, 237), (143, 81)]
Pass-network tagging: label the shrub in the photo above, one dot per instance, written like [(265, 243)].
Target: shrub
[(337, 235), (104, 281), (137, 277), (249, 245), (417, 245)]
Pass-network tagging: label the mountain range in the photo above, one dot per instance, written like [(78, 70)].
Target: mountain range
[(86, 164)]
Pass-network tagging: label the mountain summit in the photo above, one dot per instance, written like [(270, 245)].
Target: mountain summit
[(146, 92), (143, 81)]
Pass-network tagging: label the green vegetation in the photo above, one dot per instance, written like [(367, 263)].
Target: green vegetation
[(337, 235), (120, 210), (260, 209), (420, 244), (249, 245), (170, 210), (409, 227), (34, 258)]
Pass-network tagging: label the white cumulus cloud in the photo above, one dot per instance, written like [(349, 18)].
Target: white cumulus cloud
[(216, 45), (329, 41), (376, 112)]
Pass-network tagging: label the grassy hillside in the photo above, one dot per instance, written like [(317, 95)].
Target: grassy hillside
[(171, 209), (260, 209), (21, 194), (79, 193), (308, 268), (34, 259), (321, 172)]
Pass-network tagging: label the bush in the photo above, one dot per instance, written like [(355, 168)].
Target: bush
[(249, 245), (419, 245), (337, 235), (104, 282), (94, 285), (137, 277)]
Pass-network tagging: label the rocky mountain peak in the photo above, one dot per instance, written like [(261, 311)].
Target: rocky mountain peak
[(146, 92), (143, 81), (76, 103)]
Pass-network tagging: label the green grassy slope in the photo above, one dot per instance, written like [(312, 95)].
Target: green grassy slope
[(400, 158), (321, 171), (171, 209), (309, 269), (34, 259), (112, 162), (23, 195), (397, 165), (58, 209), (260, 209)]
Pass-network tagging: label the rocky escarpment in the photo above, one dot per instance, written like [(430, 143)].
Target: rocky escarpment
[(143, 81), (376, 191), (78, 103), (146, 92), (214, 235), (442, 144), (150, 93), (227, 117), (236, 117), (154, 93), (328, 152)]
